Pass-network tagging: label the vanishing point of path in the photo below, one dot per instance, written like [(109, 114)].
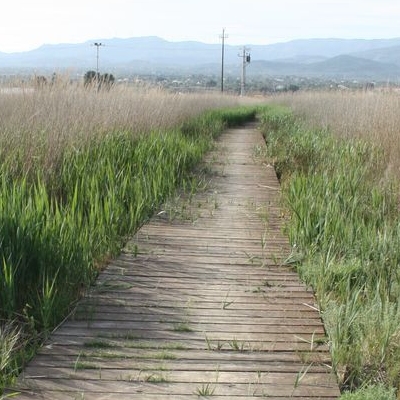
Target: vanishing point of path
[(198, 305)]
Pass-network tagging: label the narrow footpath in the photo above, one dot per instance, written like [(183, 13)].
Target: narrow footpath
[(198, 305)]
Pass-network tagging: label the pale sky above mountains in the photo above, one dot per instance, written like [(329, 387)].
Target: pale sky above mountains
[(28, 24)]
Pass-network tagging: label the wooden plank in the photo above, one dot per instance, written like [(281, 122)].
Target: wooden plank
[(190, 302), (52, 395), (304, 317), (199, 344), (163, 375), (278, 386), (194, 326), (197, 305), (56, 354), (114, 314)]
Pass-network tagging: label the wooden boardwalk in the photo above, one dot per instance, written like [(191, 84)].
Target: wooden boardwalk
[(197, 306)]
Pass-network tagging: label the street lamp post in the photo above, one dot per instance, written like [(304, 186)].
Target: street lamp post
[(97, 44)]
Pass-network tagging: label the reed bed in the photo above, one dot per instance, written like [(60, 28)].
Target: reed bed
[(81, 170), (343, 223), (369, 115), (42, 122)]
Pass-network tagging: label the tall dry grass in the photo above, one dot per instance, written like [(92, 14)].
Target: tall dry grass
[(371, 115), (42, 121)]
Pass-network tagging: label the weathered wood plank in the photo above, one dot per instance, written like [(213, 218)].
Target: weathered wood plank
[(162, 375), (277, 386), (57, 354), (113, 314), (90, 308), (52, 395)]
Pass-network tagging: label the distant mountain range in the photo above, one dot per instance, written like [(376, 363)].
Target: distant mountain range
[(377, 59)]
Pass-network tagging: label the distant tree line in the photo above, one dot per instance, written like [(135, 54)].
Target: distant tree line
[(92, 78)]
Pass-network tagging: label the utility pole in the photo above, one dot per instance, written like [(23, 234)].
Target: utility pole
[(245, 60), (223, 37)]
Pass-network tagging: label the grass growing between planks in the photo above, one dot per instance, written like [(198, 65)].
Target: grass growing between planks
[(344, 226), (59, 225)]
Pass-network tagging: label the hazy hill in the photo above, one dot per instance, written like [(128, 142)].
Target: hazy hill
[(320, 47), (352, 67), (366, 59), (339, 67), (390, 55)]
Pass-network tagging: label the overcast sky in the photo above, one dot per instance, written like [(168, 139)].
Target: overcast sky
[(27, 24)]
